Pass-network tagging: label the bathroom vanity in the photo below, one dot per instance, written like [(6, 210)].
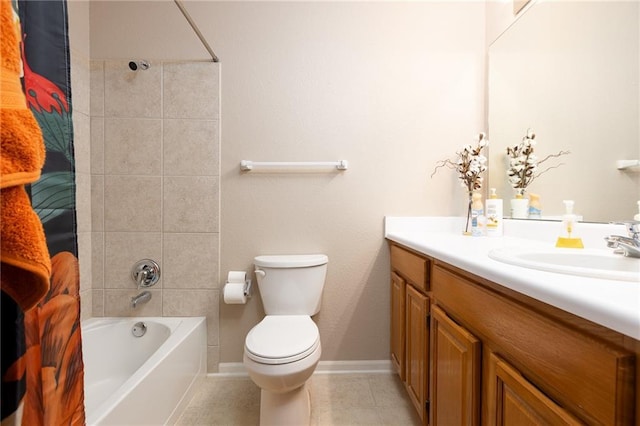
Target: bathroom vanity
[(477, 341)]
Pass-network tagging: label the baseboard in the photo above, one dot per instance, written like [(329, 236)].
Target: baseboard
[(363, 366), (383, 366)]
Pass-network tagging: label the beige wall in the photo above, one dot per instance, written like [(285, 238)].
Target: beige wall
[(391, 87)]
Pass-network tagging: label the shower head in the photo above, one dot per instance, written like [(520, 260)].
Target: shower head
[(134, 65)]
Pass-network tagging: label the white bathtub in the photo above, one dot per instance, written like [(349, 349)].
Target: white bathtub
[(144, 380)]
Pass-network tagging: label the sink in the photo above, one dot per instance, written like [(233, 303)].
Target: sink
[(583, 262)]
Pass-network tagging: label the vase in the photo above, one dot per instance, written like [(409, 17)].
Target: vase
[(467, 226), (520, 208)]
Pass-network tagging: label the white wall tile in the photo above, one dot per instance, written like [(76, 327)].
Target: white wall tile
[(82, 142), (190, 90), (132, 203), (97, 145), (133, 146), (123, 250), (117, 303), (190, 261), (190, 204), (177, 303), (97, 260), (132, 94), (97, 88), (191, 147), (80, 82)]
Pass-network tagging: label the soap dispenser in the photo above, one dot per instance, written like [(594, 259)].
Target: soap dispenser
[(568, 239), (494, 214)]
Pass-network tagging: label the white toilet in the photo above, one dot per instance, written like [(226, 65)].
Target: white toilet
[(282, 351)]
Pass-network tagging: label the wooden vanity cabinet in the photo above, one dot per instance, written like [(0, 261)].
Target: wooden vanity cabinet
[(417, 350), (456, 370), (493, 356), (398, 323), (541, 365), (512, 400), (410, 324)]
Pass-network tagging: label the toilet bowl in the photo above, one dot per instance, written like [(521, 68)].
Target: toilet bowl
[(282, 351)]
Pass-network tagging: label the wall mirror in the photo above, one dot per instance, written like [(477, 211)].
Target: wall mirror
[(570, 72)]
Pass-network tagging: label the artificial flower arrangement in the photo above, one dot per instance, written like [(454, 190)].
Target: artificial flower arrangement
[(523, 163), (470, 165)]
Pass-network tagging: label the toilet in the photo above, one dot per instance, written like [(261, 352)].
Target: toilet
[(282, 351)]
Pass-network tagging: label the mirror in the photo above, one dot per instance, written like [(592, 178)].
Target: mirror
[(569, 71)]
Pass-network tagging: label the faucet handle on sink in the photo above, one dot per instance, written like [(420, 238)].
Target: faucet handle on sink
[(633, 227)]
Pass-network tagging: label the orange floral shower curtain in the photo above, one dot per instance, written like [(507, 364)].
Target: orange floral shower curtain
[(42, 368)]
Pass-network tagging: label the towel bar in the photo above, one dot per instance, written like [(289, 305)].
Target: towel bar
[(248, 165), (628, 164)]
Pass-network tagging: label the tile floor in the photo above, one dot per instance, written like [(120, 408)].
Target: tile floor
[(336, 400)]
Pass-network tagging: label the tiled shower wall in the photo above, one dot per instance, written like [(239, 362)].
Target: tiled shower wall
[(155, 189)]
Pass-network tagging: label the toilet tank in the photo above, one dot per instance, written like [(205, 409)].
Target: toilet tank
[(291, 284)]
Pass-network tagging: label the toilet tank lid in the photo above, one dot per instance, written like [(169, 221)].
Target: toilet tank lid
[(290, 260)]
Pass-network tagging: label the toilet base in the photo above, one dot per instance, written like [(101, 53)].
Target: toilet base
[(291, 408)]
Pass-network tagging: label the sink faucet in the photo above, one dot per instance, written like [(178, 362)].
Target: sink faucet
[(143, 297), (628, 246)]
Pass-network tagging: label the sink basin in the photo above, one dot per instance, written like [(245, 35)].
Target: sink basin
[(582, 262)]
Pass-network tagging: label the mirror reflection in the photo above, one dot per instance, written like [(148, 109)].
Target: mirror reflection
[(569, 71)]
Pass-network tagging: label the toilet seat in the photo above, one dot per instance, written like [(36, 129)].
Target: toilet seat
[(281, 339)]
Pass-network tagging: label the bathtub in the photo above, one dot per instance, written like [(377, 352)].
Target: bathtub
[(143, 380)]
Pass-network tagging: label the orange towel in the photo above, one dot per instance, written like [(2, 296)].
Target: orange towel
[(26, 266)]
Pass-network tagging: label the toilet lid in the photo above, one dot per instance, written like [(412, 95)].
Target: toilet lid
[(280, 339)]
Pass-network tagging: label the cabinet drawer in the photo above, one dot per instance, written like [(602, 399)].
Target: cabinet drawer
[(590, 378), (411, 266)]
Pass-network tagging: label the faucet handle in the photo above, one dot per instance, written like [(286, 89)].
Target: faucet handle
[(145, 273), (633, 227)]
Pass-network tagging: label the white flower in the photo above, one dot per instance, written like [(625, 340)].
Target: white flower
[(469, 164)]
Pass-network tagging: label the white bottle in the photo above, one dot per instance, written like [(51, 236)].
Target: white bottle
[(637, 217), (477, 215), (494, 214)]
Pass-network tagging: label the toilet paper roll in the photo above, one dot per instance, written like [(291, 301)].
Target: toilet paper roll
[(234, 294), (236, 277)]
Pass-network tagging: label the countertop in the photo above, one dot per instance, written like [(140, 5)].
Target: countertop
[(610, 303)]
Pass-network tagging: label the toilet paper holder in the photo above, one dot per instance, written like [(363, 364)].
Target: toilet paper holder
[(237, 288), (247, 287)]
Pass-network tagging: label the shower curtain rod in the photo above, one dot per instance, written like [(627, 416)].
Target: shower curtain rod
[(195, 29)]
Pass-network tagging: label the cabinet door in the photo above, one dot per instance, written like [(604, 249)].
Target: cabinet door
[(455, 373), (398, 333), (417, 349), (512, 400)]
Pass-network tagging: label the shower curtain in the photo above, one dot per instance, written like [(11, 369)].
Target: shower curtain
[(42, 368)]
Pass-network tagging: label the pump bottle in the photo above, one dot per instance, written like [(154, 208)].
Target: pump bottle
[(568, 239), (494, 214)]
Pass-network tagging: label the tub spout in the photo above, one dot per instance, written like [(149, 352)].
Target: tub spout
[(143, 297)]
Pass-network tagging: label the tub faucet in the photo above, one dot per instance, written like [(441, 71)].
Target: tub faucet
[(143, 297), (627, 246)]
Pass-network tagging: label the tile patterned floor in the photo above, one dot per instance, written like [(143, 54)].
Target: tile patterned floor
[(336, 400)]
